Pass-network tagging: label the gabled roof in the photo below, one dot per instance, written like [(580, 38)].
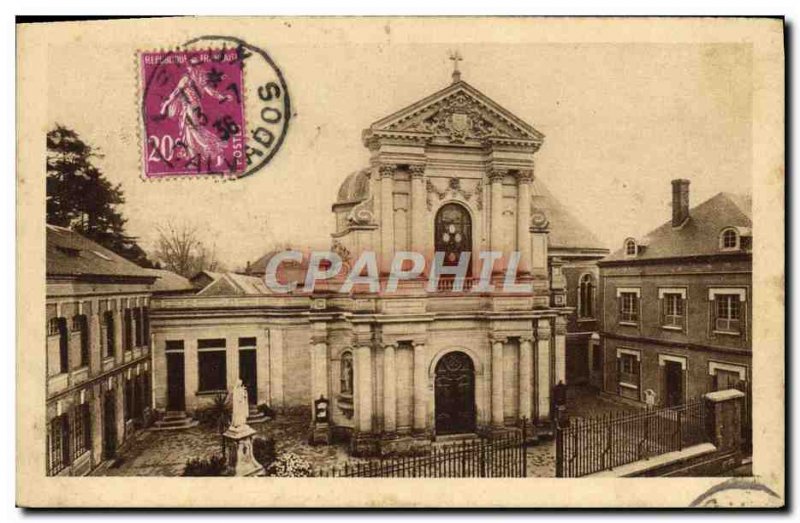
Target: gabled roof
[(699, 235), (432, 115), (566, 231), (71, 254), (234, 284), (169, 281)]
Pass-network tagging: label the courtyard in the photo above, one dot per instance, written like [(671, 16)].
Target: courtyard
[(164, 453)]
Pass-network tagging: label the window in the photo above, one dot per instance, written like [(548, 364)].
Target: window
[(346, 373), (174, 345), (137, 322), (629, 307), (729, 240), (453, 233), (628, 368), (108, 322), (727, 313), (586, 297), (211, 363), (52, 327), (128, 332), (63, 345), (80, 325), (630, 247), (80, 430), (128, 400), (673, 310), (146, 325), (58, 445), (247, 342)]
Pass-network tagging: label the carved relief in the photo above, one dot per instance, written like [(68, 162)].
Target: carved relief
[(460, 117), (454, 188), (539, 220), (363, 213)]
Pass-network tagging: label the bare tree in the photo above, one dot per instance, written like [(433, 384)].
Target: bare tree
[(181, 251)]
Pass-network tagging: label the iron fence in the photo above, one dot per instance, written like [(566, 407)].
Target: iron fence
[(502, 457), (586, 446)]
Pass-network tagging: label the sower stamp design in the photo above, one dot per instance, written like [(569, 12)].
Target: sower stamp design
[(197, 102), (193, 113)]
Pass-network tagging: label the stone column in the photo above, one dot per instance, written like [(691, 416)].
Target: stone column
[(363, 386), (119, 317), (525, 377), (498, 414), (524, 180), (561, 350), (119, 406), (496, 228), (95, 342), (262, 364), (231, 362), (420, 388), (389, 390), (543, 369), (96, 413), (387, 216), (418, 209)]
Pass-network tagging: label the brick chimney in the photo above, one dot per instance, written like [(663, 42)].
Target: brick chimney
[(680, 202)]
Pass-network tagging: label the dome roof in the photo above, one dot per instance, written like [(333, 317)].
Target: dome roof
[(354, 188)]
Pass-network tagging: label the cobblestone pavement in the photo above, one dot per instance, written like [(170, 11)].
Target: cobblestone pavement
[(164, 453)]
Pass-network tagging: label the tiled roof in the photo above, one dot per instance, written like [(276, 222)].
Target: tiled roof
[(566, 231), (699, 235), (70, 254), (169, 281)]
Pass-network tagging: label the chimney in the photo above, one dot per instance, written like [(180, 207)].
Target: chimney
[(680, 202)]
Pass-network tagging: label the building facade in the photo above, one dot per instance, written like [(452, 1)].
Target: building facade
[(98, 358), (677, 320), (452, 173)]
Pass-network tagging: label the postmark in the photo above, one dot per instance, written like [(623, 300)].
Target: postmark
[(215, 106), (738, 492)]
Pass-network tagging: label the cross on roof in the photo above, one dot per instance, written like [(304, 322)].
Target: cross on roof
[(456, 57)]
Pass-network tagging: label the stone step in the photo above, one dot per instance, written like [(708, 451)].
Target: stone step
[(174, 420)]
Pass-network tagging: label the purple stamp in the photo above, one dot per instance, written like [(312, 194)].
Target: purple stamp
[(195, 113)]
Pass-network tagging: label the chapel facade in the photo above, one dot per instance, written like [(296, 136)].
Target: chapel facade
[(452, 173)]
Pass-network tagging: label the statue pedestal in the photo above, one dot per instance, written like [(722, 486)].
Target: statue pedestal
[(320, 434), (239, 450)]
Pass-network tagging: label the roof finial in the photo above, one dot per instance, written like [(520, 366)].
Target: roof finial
[(455, 56)]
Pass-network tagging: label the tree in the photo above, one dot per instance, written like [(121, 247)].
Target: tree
[(81, 198), (181, 251)]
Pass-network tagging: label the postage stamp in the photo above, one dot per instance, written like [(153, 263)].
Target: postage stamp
[(194, 109)]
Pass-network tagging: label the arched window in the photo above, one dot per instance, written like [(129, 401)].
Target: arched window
[(729, 240), (453, 232), (630, 247), (346, 373), (586, 297)]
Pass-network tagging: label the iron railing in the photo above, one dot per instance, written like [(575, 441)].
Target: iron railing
[(502, 457), (586, 446)]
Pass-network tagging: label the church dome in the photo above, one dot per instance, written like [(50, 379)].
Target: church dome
[(354, 188)]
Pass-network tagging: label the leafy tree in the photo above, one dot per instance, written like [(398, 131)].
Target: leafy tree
[(81, 198)]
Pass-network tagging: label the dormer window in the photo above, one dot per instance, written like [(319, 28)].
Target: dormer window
[(630, 247), (729, 239)]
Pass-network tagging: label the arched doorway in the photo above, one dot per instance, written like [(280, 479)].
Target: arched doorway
[(453, 233), (455, 394)]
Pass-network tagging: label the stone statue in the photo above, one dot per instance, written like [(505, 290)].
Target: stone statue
[(240, 407)]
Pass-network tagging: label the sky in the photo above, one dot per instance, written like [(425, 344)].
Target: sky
[(620, 121)]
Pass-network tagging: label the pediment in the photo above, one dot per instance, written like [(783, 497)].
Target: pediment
[(459, 113)]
